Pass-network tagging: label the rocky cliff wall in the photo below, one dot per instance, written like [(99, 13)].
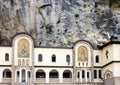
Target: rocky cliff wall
[(59, 22)]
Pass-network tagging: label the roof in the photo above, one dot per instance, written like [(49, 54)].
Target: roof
[(109, 43)]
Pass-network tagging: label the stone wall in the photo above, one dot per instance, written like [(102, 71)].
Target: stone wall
[(109, 81)]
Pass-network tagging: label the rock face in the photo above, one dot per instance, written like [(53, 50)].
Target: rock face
[(59, 22)]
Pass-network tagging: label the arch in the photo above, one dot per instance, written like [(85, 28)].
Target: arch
[(85, 41), (15, 37), (40, 74), (67, 74), (53, 74), (7, 73), (108, 74)]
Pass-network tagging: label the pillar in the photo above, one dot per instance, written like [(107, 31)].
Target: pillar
[(47, 77), (60, 77)]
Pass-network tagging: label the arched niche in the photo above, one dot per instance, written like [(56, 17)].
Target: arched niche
[(83, 52)]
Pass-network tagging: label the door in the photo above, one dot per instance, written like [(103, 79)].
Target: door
[(23, 75)]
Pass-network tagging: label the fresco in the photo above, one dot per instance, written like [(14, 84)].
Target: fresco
[(23, 48), (82, 53)]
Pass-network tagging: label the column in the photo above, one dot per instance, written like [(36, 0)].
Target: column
[(60, 77), (90, 77), (80, 76), (47, 77), (20, 78), (15, 75), (86, 79), (26, 75)]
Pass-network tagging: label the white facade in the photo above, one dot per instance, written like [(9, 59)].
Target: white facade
[(23, 62)]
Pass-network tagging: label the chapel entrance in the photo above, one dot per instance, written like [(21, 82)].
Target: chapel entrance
[(23, 78)]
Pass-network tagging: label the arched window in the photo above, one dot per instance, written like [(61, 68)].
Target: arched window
[(40, 57), (40, 74), (18, 74), (100, 74), (78, 74), (53, 58), (83, 74), (68, 58), (108, 75), (95, 73), (28, 74), (88, 75), (6, 57), (11, 3), (6, 73), (67, 74), (53, 74), (97, 59)]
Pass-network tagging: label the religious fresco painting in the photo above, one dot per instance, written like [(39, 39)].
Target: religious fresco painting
[(82, 53), (23, 48)]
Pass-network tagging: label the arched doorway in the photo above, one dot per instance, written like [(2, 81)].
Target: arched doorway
[(23, 78)]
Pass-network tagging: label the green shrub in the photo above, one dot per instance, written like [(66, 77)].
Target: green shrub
[(49, 28), (84, 5), (112, 38), (77, 15)]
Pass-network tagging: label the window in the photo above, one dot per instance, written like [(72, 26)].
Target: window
[(95, 73), (100, 74), (53, 74), (87, 74), (97, 59), (83, 74), (28, 74), (67, 74), (40, 74), (78, 74), (40, 57), (7, 73), (107, 52), (68, 58), (18, 73), (6, 57), (53, 58)]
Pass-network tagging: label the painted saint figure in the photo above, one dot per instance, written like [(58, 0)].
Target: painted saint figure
[(83, 54), (24, 52)]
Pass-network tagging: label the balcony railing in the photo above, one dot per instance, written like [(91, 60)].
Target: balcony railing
[(40, 80), (54, 80), (67, 80), (6, 80)]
